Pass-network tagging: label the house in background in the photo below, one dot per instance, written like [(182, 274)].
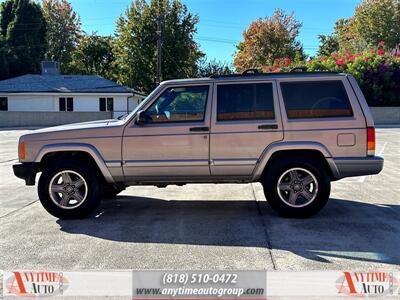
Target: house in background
[(53, 99)]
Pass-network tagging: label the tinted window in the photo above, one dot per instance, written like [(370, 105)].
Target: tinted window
[(179, 104), (61, 104), (245, 102), (3, 103), (102, 104), (66, 104), (322, 99), (110, 104), (70, 104)]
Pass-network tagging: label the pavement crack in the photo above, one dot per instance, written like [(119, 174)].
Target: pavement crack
[(9, 160), (18, 209), (267, 236)]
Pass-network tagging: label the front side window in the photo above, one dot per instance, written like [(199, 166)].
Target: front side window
[(245, 102), (3, 104), (316, 99), (179, 104), (66, 104)]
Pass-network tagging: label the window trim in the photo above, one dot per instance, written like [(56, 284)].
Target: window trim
[(106, 104), (314, 79), (253, 82), (112, 102), (180, 86), (65, 104), (6, 98)]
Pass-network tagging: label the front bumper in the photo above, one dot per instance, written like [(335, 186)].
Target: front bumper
[(357, 166), (26, 171)]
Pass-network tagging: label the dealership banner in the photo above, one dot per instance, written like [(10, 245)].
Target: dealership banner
[(199, 284), (73, 284), (337, 284), (185, 284)]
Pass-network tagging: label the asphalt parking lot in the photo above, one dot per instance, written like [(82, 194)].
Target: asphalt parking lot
[(206, 226)]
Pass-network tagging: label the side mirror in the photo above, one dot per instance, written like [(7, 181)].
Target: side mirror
[(141, 118)]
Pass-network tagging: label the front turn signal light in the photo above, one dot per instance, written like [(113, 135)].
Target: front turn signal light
[(371, 141), (22, 150)]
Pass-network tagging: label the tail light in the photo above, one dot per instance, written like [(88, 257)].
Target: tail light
[(22, 150), (371, 141)]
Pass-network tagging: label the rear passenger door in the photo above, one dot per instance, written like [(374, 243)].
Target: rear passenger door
[(246, 119)]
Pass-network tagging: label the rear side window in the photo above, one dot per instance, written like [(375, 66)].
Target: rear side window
[(316, 99), (245, 102)]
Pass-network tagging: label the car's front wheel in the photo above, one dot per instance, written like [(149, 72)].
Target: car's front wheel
[(69, 190), (296, 188)]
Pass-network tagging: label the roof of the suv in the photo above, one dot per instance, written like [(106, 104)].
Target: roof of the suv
[(257, 76)]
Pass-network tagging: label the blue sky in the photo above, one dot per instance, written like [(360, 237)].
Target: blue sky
[(222, 21)]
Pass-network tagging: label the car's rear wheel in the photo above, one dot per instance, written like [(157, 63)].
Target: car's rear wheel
[(69, 190), (296, 188)]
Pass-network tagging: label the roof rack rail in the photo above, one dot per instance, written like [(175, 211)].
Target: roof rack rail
[(298, 70), (293, 71), (250, 71)]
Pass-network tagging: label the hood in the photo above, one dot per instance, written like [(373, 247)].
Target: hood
[(111, 127), (83, 125)]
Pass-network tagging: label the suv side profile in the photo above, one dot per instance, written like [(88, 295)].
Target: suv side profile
[(293, 132)]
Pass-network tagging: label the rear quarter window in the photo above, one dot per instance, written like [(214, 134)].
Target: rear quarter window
[(315, 99)]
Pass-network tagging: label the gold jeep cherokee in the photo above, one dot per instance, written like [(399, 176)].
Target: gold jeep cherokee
[(293, 132)]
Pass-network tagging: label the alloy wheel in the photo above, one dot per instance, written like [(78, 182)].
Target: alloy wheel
[(68, 189), (297, 187)]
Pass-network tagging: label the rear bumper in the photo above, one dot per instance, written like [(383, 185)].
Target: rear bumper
[(26, 171), (357, 166)]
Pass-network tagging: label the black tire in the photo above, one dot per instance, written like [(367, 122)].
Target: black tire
[(89, 203), (110, 192), (278, 169)]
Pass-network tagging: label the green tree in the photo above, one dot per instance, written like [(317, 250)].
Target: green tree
[(6, 16), (378, 20), (328, 44), (374, 21), (63, 30), (136, 36), (93, 56), (347, 36), (4, 69), (269, 39), (208, 68), (23, 30)]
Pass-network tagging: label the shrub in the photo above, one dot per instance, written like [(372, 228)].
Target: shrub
[(377, 72)]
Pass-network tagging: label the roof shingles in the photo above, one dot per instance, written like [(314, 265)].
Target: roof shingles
[(61, 84)]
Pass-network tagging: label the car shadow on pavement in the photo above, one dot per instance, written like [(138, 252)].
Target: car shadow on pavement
[(343, 229)]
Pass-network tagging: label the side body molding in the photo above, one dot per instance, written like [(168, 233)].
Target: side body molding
[(282, 146), (92, 151)]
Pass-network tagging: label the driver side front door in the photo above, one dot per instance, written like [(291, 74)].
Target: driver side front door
[(174, 142)]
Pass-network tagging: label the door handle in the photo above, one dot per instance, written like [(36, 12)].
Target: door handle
[(197, 129), (268, 126)]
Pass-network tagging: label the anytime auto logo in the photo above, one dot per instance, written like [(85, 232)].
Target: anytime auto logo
[(367, 284), (35, 283)]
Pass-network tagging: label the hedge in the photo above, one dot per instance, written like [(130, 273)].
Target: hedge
[(377, 72)]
